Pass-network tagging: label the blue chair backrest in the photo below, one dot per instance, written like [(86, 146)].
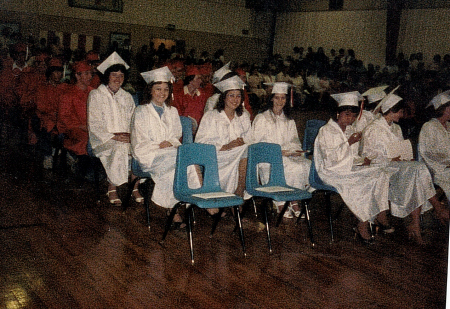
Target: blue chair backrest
[(264, 153), (315, 181), (196, 154), (186, 125), (311, 130)]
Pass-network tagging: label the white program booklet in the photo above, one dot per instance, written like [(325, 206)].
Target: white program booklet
[(213, 195), (402, 149), (273, 189)]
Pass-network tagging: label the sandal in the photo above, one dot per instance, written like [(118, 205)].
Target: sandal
[(113, 201), (288, 214), (292, 209), (137, 196)]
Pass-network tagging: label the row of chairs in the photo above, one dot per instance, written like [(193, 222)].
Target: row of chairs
[(210, 195)]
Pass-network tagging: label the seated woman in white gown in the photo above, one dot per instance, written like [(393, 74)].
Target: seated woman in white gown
[(276, 126), (411, 187), (434, 142), (109, 115), (363, 188), (155, 136), (227, 127)]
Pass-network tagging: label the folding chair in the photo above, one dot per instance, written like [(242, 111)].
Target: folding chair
[(209, 195), (276, 189)]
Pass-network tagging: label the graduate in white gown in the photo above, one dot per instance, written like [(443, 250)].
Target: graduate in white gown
[(276, 126), (434, 142), (364, 188), (109, 115), (411, 187), (227, 127), (155, 136)]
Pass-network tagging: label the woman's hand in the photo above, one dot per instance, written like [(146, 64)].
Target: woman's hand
[(165, 144), (354, 138), (122, 137), (233, 144)]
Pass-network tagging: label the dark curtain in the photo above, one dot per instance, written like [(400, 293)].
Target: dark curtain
[(394, 13)]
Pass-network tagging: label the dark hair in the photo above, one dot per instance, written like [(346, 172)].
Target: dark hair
[(286, 109), (220, 106), (114, 68), (440, 111), (341, 109), (50, 70), (188, 79), (396, 108), (147, 93)]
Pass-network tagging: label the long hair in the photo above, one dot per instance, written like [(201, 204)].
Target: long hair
[(220, 106), (287, 110), (114, 68), (147, 93)]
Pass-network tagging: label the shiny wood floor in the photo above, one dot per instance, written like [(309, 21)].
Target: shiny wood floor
[(60, 249)]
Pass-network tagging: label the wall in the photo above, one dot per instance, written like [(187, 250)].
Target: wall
[(362, 31), (204, 25)]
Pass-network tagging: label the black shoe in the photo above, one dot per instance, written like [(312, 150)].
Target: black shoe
[(361, 239)]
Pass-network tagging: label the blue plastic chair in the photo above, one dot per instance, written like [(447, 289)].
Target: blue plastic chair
[(271, 153), (186, 125), (204, 156), (320, 186), (311, 130)]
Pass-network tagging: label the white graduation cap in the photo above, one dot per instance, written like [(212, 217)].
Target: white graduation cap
[(217, 76), (158, 75), (114, 58), (347, 98), (375, 94), (232, 83), (439, 100), (377, 108), (389, 101), (281, 87)]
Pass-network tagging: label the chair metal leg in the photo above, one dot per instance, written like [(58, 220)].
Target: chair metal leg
[(126, 202), (241, 232), (310, 231), (147, 201), (266, 222), (170, 219), (280, 216), (328, 211), (189, 231), (216, 218)]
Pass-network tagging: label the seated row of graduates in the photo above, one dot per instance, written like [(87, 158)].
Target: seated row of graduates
[(151, 132)]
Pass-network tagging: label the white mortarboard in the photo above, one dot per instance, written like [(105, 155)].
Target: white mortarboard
[(375, 94), (389, 101), (281, 87), (114, 58), (347, 98), (440, 99), (217, 76), (377, 108), (158, 75), (232, 83)]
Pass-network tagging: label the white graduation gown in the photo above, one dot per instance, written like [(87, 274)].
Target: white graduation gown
[(109, 114), (148, 130), (216, 129), (361, 123), (267, 127), (411, 186), (364, 189), (434, 149)]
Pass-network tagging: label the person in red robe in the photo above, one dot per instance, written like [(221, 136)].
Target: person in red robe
[(47, 101), (190, 101), (243, 76), (93, 59), (72, 112)]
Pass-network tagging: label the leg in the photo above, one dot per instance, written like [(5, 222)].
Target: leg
[(112, 195), (441, 210), (414, 227), (135, 193), (241, 178)]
